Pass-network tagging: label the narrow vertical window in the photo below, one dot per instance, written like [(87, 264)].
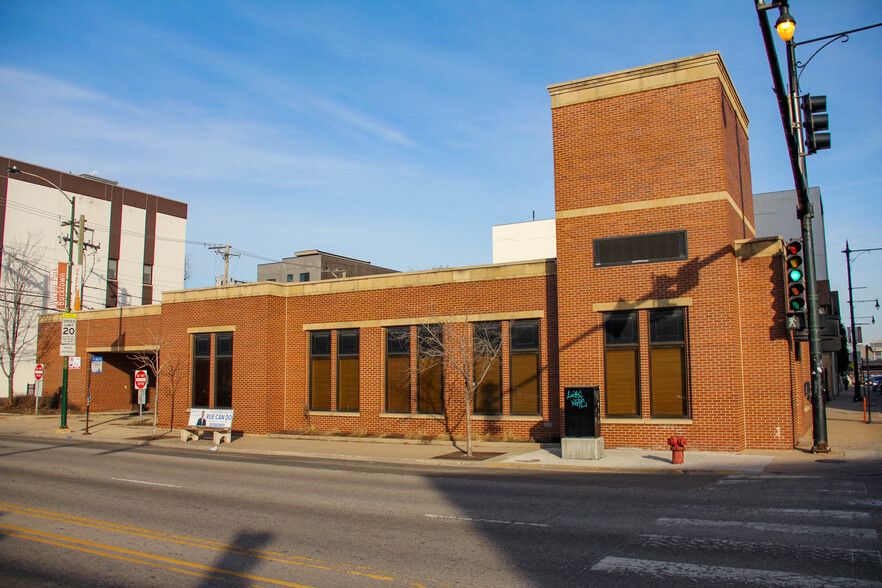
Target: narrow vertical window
[(430, 362), (112, 269), (667, 362), (486, 349), (223, 370), (202, 371), (147, 279), (347, 370), (398, 369), (621, 363), (524, 348), (320, 370)]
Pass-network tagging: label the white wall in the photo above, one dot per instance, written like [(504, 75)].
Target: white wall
[(524, 241)]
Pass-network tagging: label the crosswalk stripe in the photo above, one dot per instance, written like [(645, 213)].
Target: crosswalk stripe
[(817, 553), (723, 574), (857, 533)]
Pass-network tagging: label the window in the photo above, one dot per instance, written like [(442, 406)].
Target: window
[(621, 363), (223, 371), (148, 275), (112, 269), (524, 346), (202, 371), (347, 370), (398, 369), (320, 370), (640, 249), (667, 362), (304, 277), (289, 278), (486, 349), (430, 356)]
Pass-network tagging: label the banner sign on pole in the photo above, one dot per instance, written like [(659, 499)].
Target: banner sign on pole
[(58, 286)]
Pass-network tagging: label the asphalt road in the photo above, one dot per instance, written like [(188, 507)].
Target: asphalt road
[(92, 514)]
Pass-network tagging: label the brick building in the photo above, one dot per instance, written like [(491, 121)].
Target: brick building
[(661, 294)]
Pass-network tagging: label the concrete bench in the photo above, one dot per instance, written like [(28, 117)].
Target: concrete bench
[(218, 422)]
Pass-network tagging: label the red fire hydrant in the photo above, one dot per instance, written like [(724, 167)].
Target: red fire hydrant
[(678, 444)]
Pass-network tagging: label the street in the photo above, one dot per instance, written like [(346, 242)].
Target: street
[(104, 514)]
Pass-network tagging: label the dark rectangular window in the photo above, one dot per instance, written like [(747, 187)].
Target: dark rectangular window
[(486, 349), (398, 369), (320, 370), (622, 363), (147, 279), (524, 348), (202, 371), (304, 277), (667, 362), (347, 370), (223, 371), (289, 278), (430, 362), (112, 269), (640, 249)]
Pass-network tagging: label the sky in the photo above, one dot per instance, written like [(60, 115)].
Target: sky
[(400, 132)]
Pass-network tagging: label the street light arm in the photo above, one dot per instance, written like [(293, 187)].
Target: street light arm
[(15, 170)]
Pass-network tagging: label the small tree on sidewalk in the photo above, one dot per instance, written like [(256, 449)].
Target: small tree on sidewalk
[(470, 349), (155, 359), (21, 301)]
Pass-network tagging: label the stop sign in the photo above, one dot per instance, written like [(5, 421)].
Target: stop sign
[(38, 371), (140, 379)]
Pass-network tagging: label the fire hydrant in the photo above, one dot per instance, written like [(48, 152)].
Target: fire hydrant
[(678, 444)]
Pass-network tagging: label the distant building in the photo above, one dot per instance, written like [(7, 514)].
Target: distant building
[(524, 241), (314, 265), (133, 243)]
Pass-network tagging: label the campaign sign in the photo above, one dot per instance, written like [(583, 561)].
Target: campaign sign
[(211, 417)]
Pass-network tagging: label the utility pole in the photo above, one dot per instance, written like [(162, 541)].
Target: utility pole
[(224, 251)]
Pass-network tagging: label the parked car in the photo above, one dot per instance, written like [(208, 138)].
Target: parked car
[(876, 383)]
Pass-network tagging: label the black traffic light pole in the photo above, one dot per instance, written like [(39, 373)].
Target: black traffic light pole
[(790, 120)]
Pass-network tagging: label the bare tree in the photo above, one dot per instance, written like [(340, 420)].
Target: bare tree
[(471, 349), (155, 357), (21, 301)]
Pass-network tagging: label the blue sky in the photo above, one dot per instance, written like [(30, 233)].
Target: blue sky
[(400, 132)]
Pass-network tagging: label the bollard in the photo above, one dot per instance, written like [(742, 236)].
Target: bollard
[(678, 444)]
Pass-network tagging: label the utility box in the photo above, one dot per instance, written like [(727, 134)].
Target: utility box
[(582, 411)]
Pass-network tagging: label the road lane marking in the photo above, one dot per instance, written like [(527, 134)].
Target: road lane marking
[(833, 554), (131, 556), (774, 527), (344, 568), (725, 575), (145, 482), (494, 521)]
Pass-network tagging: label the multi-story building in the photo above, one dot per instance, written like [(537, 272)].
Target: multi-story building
[(312, 265), (131, 248), (660, 296)]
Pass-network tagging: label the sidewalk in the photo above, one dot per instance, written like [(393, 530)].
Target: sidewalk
[(853, 444)]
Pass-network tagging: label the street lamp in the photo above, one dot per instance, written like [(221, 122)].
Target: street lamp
[(72, 200), (858, 394), (788, 106)]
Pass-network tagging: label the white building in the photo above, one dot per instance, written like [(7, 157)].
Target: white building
[(133, 243)]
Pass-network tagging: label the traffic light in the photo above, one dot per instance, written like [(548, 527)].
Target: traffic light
[(814, 119), (795, 277)]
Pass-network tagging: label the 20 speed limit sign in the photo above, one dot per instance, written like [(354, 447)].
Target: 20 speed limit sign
[(68, 334)]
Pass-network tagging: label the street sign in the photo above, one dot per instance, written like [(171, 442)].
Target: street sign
[(140, 379), (38, 388), (38, 372), (73, 362), (97, 364), (68, 334)]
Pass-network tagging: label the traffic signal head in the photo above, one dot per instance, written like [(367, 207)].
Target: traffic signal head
[(795, 277), (814, 120)]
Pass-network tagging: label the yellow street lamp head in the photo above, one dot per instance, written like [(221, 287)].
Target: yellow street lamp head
[(785, 25)]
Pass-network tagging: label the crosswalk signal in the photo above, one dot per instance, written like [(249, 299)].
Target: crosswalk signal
[(795, 277), (814, 119)]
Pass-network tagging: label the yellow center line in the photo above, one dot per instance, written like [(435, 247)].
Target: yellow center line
[(363, 571)]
